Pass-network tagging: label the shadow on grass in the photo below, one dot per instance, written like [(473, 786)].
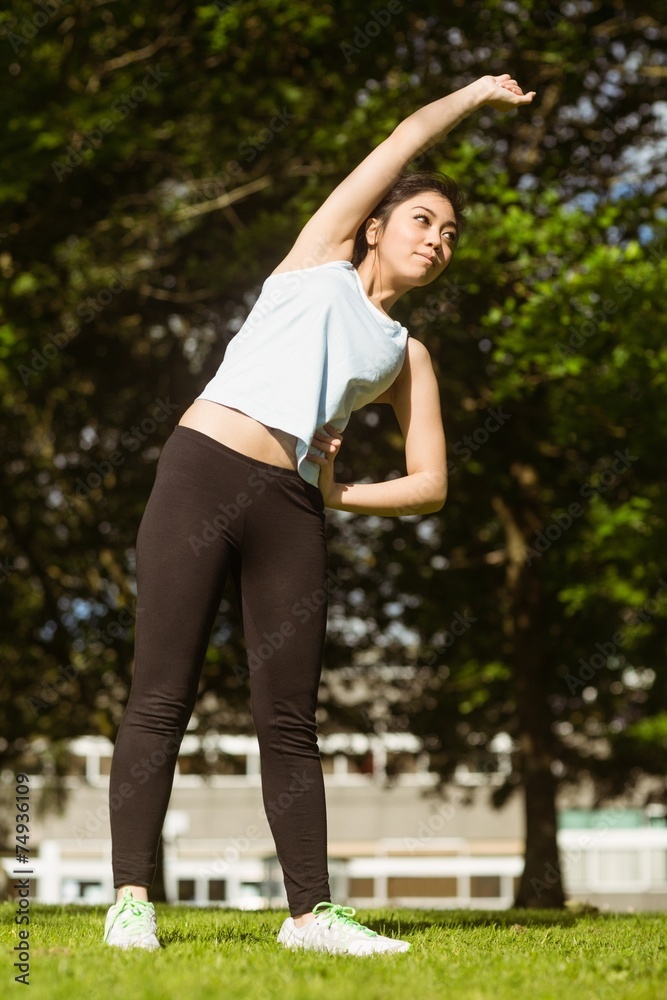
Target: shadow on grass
[(223, 925), (387, 919), (481, 918)]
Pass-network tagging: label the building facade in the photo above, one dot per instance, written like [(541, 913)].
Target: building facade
[(393, 841)]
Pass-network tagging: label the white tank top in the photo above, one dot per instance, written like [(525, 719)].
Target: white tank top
[(312, 349)]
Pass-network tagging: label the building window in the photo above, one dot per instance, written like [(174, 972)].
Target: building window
[(658, 866), (619, 866), (427, 888), (360, 763), (76, 765), (30, 763), (228, 763), (401, 763), (186, 890), (250, 890), (484, 886), (219, 763), (74, 890), (361, 887), (574, 871), (217, 890)]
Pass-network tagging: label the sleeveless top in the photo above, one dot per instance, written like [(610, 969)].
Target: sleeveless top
[(312, 349)]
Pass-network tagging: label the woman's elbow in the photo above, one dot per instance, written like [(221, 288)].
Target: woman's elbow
[(434, 507), (437, 502)]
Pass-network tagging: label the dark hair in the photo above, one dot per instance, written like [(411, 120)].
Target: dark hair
[(409, 184)]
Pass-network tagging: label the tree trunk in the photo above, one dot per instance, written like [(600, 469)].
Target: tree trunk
[(541, 884)]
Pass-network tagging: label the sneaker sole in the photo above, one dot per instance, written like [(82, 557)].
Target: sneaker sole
[(145, 944), (289, 940)]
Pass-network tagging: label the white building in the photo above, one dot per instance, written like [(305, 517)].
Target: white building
[(391, 841)]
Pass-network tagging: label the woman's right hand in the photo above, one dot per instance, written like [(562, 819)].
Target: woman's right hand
[(503, 93), (328, 440)]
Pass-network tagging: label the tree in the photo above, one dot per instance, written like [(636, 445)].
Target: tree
[(168, 158), (551, 530)]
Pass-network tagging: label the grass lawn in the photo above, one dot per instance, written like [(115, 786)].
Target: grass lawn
[(233, 954)]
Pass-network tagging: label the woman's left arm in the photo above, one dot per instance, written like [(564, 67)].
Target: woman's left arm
[(415, 398)]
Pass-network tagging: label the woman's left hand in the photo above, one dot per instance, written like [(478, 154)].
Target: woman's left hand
[(329, 441), (504, 93)]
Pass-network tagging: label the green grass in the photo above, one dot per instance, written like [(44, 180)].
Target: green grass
[(233, 954)]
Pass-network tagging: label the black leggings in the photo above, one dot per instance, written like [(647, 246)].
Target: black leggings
[(213, 511)]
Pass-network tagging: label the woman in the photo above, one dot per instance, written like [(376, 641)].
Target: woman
[(238, 490)]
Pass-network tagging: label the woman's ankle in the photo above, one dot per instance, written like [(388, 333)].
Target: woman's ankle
[(139, 892)]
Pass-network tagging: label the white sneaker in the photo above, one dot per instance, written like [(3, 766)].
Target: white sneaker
[(333, 930), (131, 923)]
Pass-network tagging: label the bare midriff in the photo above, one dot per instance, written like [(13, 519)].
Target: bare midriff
[(242, 433)]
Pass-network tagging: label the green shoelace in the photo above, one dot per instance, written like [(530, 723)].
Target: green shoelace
[(134, 914), (342, 915)]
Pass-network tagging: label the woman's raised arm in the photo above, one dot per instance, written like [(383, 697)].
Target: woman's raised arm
[(329, 234)]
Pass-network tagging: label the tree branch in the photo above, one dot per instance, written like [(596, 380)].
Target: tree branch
[(223, 200)]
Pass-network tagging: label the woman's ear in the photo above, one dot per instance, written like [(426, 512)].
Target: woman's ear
[(372, 233)]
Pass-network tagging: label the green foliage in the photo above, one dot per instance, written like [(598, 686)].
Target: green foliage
[(124, 273)]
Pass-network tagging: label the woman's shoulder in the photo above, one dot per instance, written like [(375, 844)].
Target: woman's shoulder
[(315, 253), (310, 268)]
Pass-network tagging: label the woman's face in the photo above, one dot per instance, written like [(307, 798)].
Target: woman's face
[(418, 240)]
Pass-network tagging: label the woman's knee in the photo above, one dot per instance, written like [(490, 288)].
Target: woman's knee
[(163, 718), (288, 734)]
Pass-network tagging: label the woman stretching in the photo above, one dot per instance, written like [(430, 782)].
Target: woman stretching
[(241, 487)]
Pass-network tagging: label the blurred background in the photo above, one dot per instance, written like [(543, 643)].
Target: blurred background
[(493, 707)]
